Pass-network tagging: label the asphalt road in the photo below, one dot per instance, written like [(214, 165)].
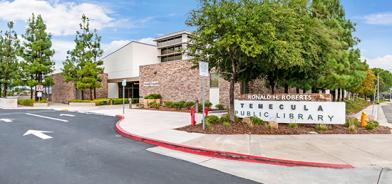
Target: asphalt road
[(84, 148), (388, 112)]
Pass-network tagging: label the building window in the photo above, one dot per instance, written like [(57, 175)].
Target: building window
[(171, 58), (244, 87), (214, 80)]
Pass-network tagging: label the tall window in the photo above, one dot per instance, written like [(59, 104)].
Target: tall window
[(214, 80)]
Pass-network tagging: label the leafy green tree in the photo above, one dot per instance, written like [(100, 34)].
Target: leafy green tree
[(368, 85), (385, 79), (9, 64), (37, 52), (82, 65)]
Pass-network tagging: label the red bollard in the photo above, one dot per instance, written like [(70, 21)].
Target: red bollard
[(193, 117), (206, 111)]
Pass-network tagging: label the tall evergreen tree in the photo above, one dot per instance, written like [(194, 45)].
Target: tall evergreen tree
[(82, 65), (37, 52), (9, 64)]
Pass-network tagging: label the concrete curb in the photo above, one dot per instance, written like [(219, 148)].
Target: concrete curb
[(223, 154)]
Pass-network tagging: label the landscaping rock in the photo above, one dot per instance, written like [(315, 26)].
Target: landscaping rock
[(274, 125), (247, 121)]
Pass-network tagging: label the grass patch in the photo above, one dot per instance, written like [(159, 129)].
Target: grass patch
[(354, 106)]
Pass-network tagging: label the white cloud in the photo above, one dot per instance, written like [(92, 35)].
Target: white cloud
[(148, 40), (379, 19), (61, 47), (384, 62), (113, 45), (62, 18)]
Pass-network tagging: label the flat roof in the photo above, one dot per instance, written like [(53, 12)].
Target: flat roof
[(174, 34), (127, 45)]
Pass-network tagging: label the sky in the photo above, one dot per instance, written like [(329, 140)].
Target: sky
[(122, 21)]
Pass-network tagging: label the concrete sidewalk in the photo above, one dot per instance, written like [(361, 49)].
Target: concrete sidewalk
[(356, 150)]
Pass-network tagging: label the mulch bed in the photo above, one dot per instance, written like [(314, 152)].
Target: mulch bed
[(243, 128)]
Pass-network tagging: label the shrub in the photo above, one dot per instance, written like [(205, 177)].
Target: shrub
[(135, 100), (189, 104), (212, 119), (226, 123), (26, 102), (225, 118), (179, 105), (321, 127), (102, 101), (293, 125), (353, 106), (351, 122), (118, 101), (169, 104), (43, 100), (220, 106), (209, 126), (153, 96), (79, 101), (256, 120), (371, 125), (207, 104), (154, 105), (268, 126)]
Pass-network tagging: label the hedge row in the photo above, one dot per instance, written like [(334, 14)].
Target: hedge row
[(106, 101), (30, 102)]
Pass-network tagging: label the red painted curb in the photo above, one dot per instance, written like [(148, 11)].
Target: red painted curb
[(224, 154)]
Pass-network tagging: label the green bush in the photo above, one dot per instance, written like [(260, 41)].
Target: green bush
[(79, 101), (256, 120), (207, 104), (293, 125), (179, 104), (154, 105), (168, 104), (212, 119), (225, 118), (354, 106), (26, 102), (189, 104), (153, 96), (351, 122), (220, 106), (226, 123), (118, 101), (371, 125), (321, 127)]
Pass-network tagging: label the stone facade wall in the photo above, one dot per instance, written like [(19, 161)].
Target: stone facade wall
[(174, 80), (63, 91), (224, 95)]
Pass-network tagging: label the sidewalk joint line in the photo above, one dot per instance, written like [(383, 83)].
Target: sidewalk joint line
[(379, 175)]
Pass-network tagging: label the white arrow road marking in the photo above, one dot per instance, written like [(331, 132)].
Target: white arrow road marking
[(68, 115), (46, 117), (39, 133), (6, 120)]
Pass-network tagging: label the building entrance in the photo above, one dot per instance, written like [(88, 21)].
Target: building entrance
[(131, 90)]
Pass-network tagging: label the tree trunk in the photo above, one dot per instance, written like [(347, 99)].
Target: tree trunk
[(231, 91), (91, 94), (338, 94), (82, 91), (303, 91), (5, 86), (95, 93), (343, 95), (0, 89), (297, 90), (31, 93), (286, 89), (333, 93)]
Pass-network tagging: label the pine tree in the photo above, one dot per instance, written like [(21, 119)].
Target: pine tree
[(37, 52), (9, 64), (83, 66)]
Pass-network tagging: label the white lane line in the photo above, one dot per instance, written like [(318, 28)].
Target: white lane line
[(46, 117), (6, 120), (67, 115)]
